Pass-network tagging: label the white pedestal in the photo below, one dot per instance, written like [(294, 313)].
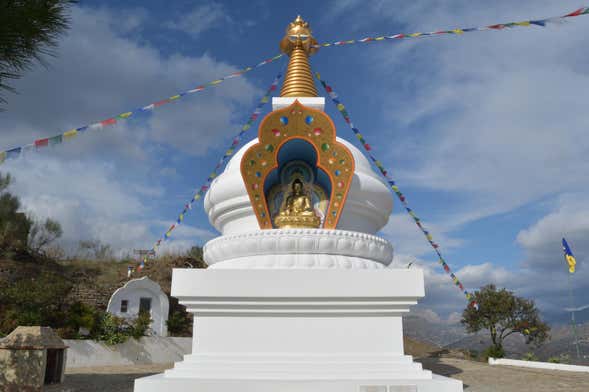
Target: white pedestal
[(297, 330), (313, 102)]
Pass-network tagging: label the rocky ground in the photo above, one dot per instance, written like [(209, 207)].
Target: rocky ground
[(476, 376)]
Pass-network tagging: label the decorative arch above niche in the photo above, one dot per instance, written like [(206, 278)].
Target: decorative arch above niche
[(314, 127)]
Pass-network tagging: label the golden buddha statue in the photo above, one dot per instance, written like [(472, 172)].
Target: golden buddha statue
[(297, 210)]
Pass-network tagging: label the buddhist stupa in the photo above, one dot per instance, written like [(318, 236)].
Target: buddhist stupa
[(298, 296)]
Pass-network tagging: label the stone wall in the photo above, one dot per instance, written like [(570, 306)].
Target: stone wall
[(22, 370)]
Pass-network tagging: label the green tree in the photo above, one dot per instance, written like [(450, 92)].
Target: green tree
[(18, 232), (39, 300), (42, 235), (29, 30), (504, 314), (14, 225)]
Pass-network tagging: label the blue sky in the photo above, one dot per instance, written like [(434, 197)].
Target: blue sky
[(485, 133)]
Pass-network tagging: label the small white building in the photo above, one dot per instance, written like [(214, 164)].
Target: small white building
[(141, 295)]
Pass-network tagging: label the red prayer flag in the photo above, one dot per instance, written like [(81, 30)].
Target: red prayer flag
[(109, 121), (576, 13), (42, 142)]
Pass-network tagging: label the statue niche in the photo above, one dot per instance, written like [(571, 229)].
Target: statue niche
[(297, 137), (296, 210)]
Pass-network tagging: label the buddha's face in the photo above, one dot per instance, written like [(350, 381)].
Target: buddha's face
[(297, 187)]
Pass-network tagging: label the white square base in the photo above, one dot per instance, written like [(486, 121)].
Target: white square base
[(160, 383), (297, 330)]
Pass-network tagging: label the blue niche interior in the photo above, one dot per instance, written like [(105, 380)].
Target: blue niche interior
[(297, 158)]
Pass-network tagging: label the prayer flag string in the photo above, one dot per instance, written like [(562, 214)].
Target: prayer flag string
[(68, 135), (230, 151), (460, 31), (342, 109)]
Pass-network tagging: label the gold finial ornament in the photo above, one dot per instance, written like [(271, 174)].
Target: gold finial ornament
[(299, 44)]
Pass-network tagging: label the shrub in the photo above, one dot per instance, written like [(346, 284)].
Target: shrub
[(530, 356), (494, 352), (179, 324), (81, 315), (562, 358), (112, 330), (141, 325)]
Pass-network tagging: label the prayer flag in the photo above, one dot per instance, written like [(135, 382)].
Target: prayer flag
[(41, 142), (15, 152), (55, 140)]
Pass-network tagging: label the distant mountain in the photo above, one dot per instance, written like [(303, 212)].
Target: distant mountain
[(424, 330), (454, 336), (561, 344)]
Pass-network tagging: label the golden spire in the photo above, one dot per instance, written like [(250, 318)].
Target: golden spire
[(299, 44)]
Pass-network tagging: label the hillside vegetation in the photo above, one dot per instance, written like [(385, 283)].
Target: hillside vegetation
[(38, 290)]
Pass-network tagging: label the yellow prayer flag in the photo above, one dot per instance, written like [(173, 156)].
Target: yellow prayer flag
[(70, 134)]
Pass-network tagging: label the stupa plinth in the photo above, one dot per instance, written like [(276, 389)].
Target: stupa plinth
[(311, 309)]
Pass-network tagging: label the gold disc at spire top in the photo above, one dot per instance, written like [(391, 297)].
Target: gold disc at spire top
[(299, 44)]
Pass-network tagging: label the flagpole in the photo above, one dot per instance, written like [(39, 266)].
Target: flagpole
[(573, 323)]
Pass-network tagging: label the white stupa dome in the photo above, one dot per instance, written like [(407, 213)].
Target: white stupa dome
[(367, 209)]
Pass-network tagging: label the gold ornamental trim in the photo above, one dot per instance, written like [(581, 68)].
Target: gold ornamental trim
[(313, 126)]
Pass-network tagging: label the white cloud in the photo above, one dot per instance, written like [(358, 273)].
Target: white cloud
[(494, 117), (105, 184), (89, 200), (201, 18), (99, 73), (542, 239), (497, 121), (406, 237)]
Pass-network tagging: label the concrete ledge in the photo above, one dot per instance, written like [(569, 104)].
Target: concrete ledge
[(539, 365), (147, 350), (299, 284), (159, 382)]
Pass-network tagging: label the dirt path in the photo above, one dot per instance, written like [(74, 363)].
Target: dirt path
[(476, 376), (481, 377)]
